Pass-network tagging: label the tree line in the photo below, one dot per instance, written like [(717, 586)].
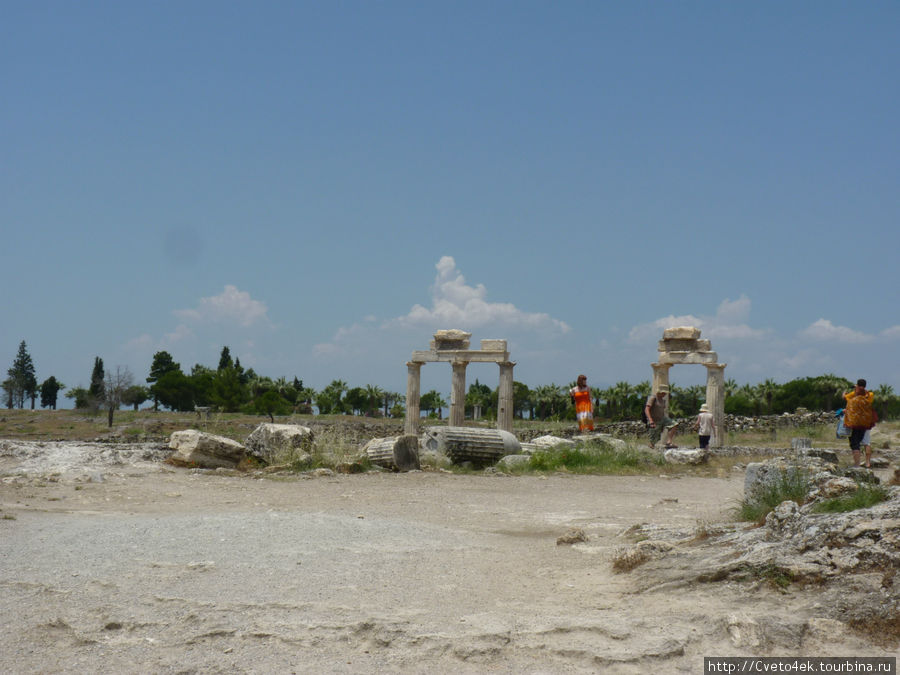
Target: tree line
[(231, 388)]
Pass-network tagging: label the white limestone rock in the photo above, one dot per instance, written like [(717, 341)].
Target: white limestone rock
[(205, 450), (513, 462), (835, 487), (279, 442), (681, 333), (548, 441), (691, 456)]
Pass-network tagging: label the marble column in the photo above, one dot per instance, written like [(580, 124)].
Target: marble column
[(413, 375), (458, 394), (505, 404), (660, 375), (715, 399)]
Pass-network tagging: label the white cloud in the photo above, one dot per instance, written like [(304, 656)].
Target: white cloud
[(891, 333), (181, 332), (230, 306), (730, 322), (825, 331), (455, 304)]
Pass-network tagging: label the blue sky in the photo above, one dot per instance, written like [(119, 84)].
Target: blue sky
[(320, 186)]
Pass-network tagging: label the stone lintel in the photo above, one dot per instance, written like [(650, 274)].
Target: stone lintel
[(469, 355), (674, 345), (450, 339), (681, 333), (688, 357), (493, 345)]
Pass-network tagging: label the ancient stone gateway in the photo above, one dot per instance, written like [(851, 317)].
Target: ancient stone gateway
[(683, 345), (452, 346)]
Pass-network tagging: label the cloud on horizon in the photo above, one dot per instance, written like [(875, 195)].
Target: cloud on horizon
[(454, 304), (729, 322), (230, 306)]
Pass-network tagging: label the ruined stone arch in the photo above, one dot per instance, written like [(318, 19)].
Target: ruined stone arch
[(682, 344), (452, 346)]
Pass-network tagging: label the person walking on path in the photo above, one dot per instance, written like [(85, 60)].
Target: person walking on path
[(584, 404), (657, 413), (859, 417), (706, 426)]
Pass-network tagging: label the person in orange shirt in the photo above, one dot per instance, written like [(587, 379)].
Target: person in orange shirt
[(584, 405), (859, 416)]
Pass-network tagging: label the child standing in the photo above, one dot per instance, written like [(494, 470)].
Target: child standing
[(706, 426)]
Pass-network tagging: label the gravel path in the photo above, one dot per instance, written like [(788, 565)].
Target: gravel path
[(136, 567)]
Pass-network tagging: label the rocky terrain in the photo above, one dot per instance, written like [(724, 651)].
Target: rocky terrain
[(113, 561)]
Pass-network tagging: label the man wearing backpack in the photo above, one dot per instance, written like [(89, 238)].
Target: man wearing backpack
[(859, 416), (656, 411)]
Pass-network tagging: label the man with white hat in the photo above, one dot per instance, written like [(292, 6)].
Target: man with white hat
[(657, 412), (706, 426)]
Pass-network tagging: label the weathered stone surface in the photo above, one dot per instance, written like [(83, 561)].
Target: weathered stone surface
[(279, 442), (545, 442), (835, 487), (513, 461), (761, 475), (205, 450), (688, 357), (574, 536), (684, 346), (397, 453), (451, 339), (686, 456), (681, 333), (493, 345), (465, 444)]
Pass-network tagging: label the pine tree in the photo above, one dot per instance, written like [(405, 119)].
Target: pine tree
[(225, 359), (22, 381), (97, 376)]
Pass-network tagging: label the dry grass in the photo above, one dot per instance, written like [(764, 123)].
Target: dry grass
[(625, 560)]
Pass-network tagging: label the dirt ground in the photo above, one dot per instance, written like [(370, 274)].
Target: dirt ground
[(138, 567)]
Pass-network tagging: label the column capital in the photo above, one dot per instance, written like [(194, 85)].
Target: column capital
[(415, 364), (714, 366)]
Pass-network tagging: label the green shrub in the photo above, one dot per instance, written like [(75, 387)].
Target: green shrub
[(792, 485), (594, 459)]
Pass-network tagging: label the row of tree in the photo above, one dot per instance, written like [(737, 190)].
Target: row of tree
[(21, 383), (231, 388)]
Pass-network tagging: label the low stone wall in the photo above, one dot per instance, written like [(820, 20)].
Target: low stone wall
[(732, 423)]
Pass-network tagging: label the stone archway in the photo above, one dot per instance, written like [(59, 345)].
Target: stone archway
[(682, 344), (452, 346)]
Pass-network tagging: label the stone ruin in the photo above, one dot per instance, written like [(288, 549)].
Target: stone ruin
[(452, 346), (682, 344)]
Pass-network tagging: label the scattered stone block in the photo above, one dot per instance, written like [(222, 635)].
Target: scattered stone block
[(681, 333), (692, 456), (513, 461), (279, 442), (205, 450), (394, 453), (574, 536), (464, 444)]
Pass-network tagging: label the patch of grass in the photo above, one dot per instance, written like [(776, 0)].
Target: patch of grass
[(595, 459), (792, 485), (778, 577), (865, 496)]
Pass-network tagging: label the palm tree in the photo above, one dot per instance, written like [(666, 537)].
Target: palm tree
[(766, 392), (549, 400), (374, 395), (883, 396)]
